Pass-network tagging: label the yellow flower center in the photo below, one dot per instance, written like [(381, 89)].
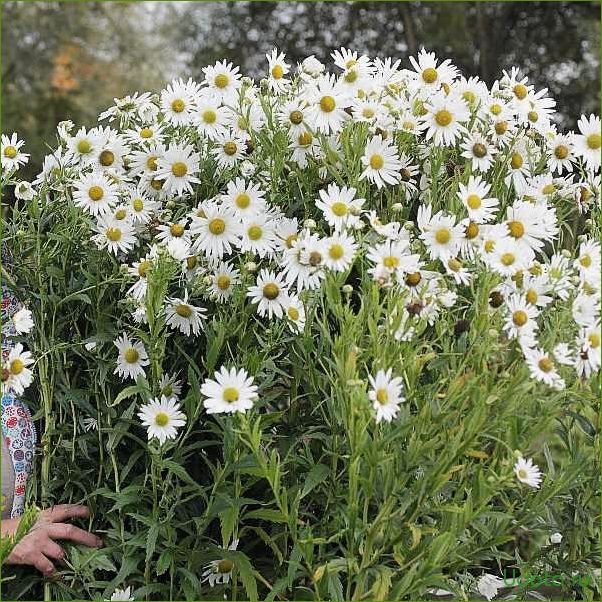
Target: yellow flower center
[(549, 189), (290, 240), (443, 117), (209, 116), (120, 214), (472, 231), (489, 246), (429, 75), (221, 80), (138, 205), (296, 117), (413, 279), (161, 419), (593, 141), (594, 340), (520, 317), (230, 394), (351, 76), (223, 282), (495, 109), (377, 162), (545, 364), (131, 355), (442, 236), (142, 267), (408, 125), (277, 71), (271, 291), (327, 104), (585, 261), (217, 226), (255, 232), (507, 259), (501, 127), (230, 148), (368, 113), (516, 229), (520, 91), (16, 367), (339, 208), (184, 311), (83, 147), (293, 313), (242, 200), (469, 96), (178, 105), (96, 193), (305, 139), (151, 163), (156, 184), (516, 161), (473, 201), (391, 262), (531, 296), (146, 133), (336, 251), (479, 150), (561, 152), (179, 169), (191, 262), (225, 566), (532, 116), (522, 473), (176, 230), (106, 158), (382, 396), (454, 264)]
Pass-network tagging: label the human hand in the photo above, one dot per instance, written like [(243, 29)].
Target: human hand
[(38, 548)]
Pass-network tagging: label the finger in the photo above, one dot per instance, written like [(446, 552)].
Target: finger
[(62, 512), (73, 533), (43, 565), (51, 549)]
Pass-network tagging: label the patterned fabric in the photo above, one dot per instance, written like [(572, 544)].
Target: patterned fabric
[(20, 437), (17, 426)]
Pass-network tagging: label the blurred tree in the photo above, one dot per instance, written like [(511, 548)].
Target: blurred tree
[(68, 61)]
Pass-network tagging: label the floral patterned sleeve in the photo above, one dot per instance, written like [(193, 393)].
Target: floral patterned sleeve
[(18, 428)]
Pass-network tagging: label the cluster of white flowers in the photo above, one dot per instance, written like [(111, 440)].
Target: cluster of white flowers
[(142, 179)]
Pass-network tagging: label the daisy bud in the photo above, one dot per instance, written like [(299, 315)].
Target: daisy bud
[(263, 86), (171, 204), (90, 346), (556, 538), (251, 266), (359, 226), (347, 289), (408, 226), (566, 253), (246, 82), (20, 233), (24, 191), (310, 224), (207, 280), (123, 268), (492, 333), (397, 207), (246, 168)]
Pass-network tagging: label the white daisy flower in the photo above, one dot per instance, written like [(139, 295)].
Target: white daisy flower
[(210, 117), (223, 81), (561, 153), (170, 386), (24, 191), (295, 312), (527, 472), (444, 118), (277, 68), (219, 571), (269, 294), (22, 321), (229, 149), (83, 146), (121, 594), (381, 162), (244, 199), (340, 207), (257, 235), (229, 391), (131, 359), (177, 168), (95, 193), (223, 280), (479, 151), (114, 235), (178, 101), (339, 251), (474, 197), (327, 104), (429, 73), (162, 418), (541, 367), (183, 316), (440, 233), (16, 376), (217, 232), (521, 318), (386, 394), (587, 142)]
